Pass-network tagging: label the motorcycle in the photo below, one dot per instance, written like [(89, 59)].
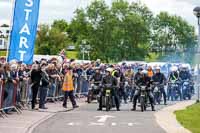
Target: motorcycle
[(186, 89), (93, 92), (174, 90), (157, 92), (143, 98), (108, 99)]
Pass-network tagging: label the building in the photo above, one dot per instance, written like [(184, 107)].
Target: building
[(4, 32), (3, 44)]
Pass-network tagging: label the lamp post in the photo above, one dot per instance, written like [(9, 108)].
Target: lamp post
[(85, 48), (196, 12)]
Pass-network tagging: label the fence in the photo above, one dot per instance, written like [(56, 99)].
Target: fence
[(18, 96), (8, 95)]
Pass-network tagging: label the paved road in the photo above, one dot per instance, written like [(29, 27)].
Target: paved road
[(87, 120)]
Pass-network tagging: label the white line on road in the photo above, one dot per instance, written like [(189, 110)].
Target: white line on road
[(73, 124), (103, 118), (114, 124), (96, 124), (130, 124)]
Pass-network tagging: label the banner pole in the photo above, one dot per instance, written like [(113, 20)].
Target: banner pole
[(11, 27)]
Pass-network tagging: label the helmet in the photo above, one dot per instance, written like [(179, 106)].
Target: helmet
[(140, 68), (174, 68), (184, 66), (157, 68), (144, 71), (109, 69)]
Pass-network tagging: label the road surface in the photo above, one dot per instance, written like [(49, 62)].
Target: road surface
[(87, 119)]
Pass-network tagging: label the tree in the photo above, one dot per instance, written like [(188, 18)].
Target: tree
[(50, 41), (61, 25), (122, 31), (173, 34), (114, 33)]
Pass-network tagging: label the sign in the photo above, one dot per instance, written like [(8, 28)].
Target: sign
[(24, 31)]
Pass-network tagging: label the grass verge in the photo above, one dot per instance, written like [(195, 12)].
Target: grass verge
[(190, 118)]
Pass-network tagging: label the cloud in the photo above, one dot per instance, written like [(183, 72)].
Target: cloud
[(64, 9), (192, 2)]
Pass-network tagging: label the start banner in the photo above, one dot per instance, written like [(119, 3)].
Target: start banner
[(24, 30)]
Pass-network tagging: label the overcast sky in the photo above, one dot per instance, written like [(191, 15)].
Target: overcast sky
[(63, 9)]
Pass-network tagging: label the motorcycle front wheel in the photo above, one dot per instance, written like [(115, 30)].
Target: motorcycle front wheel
[(107, 103)]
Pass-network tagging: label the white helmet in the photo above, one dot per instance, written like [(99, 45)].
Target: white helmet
[(174, 69), (184, 66), (157, 68), (109, 69), (144, 71)]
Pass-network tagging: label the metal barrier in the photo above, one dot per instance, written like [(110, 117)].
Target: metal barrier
[(8, 98), (20, 94), (25, 93), (1, 101)]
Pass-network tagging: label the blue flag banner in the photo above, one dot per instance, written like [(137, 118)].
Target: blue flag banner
[(23, 34)]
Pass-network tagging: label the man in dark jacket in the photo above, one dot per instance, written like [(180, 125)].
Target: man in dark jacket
[(160, 77), (142, 79), (110, 81), (35, 78)]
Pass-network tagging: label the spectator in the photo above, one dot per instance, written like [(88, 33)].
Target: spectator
[(54, 77), (44, 83), (35, 79)]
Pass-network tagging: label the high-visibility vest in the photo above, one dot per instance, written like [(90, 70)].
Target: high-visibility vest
[(113, 73), (68, 83), (150, 73)]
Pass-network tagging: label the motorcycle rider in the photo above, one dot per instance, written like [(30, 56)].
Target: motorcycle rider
[(96, 80), (141, 78), (174, 75), (109, 79), (173, 78), (160, 77), (184, 73), (97, 77)]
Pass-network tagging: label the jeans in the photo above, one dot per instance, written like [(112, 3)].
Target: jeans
[(52, 90), (84, 87), (162, 90), (43, 95), (69, 94), (123, 94)]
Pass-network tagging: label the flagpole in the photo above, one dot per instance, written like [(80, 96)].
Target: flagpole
[(11, 25)]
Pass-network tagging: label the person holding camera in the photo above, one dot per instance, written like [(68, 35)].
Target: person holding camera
[(44, 83)]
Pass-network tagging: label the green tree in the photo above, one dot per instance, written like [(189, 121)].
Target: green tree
[(61, 25), (113, 32), (173, 34), (50, 41)]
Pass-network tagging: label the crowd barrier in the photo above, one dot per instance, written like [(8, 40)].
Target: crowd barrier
[(18, 96), (8, 96), (1, 100)]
